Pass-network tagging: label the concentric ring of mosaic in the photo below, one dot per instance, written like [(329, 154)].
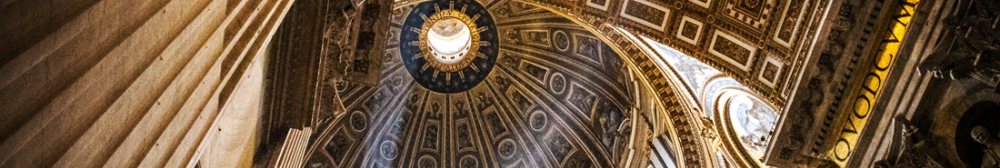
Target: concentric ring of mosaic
[(428, 54)]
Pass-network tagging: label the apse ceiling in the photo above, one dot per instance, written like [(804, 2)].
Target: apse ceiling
[(463, 85), (742, 117)]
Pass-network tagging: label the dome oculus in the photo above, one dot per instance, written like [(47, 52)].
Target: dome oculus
[(448, 46), (447, 38)]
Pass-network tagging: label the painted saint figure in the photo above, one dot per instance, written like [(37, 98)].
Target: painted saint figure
[(754, 121)]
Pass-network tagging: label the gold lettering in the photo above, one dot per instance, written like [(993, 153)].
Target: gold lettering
[(859, 107), (869, 79), (852, 129), (842, 152), (880, 61), (872, 84)]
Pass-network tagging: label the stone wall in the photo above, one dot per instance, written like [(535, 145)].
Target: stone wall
[(126, 83)]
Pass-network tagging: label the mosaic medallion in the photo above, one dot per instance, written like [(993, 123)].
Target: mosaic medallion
[(449, 46)]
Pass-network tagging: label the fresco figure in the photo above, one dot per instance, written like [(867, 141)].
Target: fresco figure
[(756, 121)]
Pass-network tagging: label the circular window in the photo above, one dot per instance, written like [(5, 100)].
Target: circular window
[(449, 46), (449, 40), (446, 39)]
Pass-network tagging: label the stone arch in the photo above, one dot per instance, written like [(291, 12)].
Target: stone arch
[(711, 96), (962, 105), (711, 44), (685, 128), (628, 41), (734, 134), (758, 43)]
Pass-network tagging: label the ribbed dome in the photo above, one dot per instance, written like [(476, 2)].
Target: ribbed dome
[(556, 96)]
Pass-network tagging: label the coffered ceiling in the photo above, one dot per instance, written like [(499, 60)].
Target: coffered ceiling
[(760, 43)]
